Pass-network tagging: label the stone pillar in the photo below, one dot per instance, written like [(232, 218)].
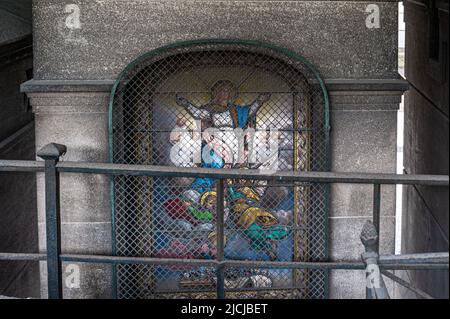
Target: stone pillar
[(79, 121), (363, 138)]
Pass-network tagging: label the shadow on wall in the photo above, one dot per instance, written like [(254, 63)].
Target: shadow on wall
[(18, 218)]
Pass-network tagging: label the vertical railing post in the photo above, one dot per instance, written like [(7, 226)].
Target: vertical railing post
[(220, 238), (375, 286), (377, 211), (51, 154)]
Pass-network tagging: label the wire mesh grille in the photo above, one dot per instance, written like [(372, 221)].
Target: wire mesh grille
[(163, 109)]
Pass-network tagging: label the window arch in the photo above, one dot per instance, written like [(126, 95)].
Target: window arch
[(159, 105)]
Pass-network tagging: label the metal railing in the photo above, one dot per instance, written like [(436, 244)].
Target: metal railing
[(374, 264)]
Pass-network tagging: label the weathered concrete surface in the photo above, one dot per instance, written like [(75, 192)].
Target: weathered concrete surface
[(332, 35), (425, 218)]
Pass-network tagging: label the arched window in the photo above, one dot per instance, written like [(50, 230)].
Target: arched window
[(220, 104)]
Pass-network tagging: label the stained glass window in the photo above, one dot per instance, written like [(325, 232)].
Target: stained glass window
[(220, 105)]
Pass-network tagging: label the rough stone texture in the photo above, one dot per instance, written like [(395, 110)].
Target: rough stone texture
[(85, 134), (356, 200), (333, 36), (82, 237), (425, 219), (81, 203), (363, 139), (79, 121), (346, 244), (18, 218)]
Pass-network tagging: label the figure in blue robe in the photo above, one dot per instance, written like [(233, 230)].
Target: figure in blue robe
[(221, 112)]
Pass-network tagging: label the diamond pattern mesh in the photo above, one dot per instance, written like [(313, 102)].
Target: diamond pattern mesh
[(160, 106)]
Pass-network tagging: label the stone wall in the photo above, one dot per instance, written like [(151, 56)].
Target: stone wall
[(425, 221), (331, 35), (76, 67)]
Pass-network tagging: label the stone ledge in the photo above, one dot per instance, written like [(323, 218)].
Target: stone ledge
[(54, 86), (69, 102), (382, 85), (333, 85)]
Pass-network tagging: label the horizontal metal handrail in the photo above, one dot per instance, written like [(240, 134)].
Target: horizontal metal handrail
[(430, 258), (21, 166), (283, 176), (433, 261), (54, 257), (349, 265)]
